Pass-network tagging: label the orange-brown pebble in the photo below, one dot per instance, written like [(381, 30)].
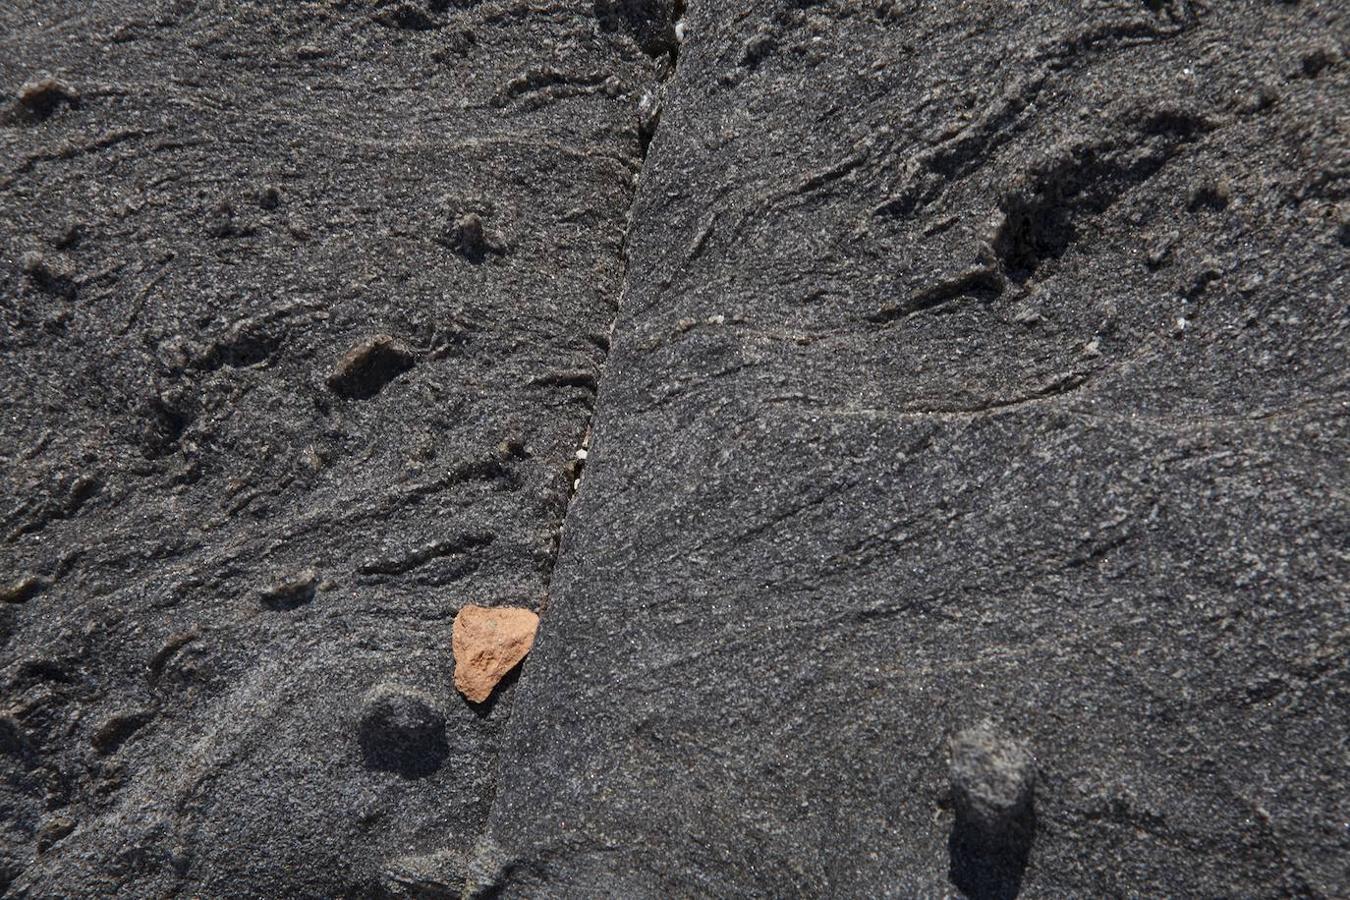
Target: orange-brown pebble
[(487, 644)]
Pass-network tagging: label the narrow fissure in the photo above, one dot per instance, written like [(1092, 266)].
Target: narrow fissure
[(648, 122), (487, 884)]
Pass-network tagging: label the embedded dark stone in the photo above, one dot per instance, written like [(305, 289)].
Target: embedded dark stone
[(40, 99), (365, 369), (291, 592), (401, 730)]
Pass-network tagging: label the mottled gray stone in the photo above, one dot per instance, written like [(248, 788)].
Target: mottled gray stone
[(217, 535), (993, 781), (976, 361)]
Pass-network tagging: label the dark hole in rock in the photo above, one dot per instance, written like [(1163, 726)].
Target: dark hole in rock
[(1030, 233), (409, 17), (248, 343), (163, 423), (14, 740), (651, 23), (48, 669)]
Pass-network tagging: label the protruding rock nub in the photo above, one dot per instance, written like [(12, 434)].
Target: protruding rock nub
[(292, 591), (469, 237), (651, 23), (366, 368), (993, 781), (39, 99), (401, 730), (114, 731)]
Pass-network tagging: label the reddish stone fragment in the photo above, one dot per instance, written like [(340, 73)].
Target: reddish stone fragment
[(487, 644)]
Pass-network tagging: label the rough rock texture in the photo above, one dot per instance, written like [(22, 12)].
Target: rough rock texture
[(210, 553), (976, 360), (488, 643)]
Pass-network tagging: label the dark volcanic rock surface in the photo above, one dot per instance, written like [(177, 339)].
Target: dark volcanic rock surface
[(966, 509), (219, 531), (978, 361)]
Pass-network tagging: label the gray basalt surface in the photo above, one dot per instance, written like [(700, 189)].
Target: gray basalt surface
[(965, 511), (230, 672), (976, 361)]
